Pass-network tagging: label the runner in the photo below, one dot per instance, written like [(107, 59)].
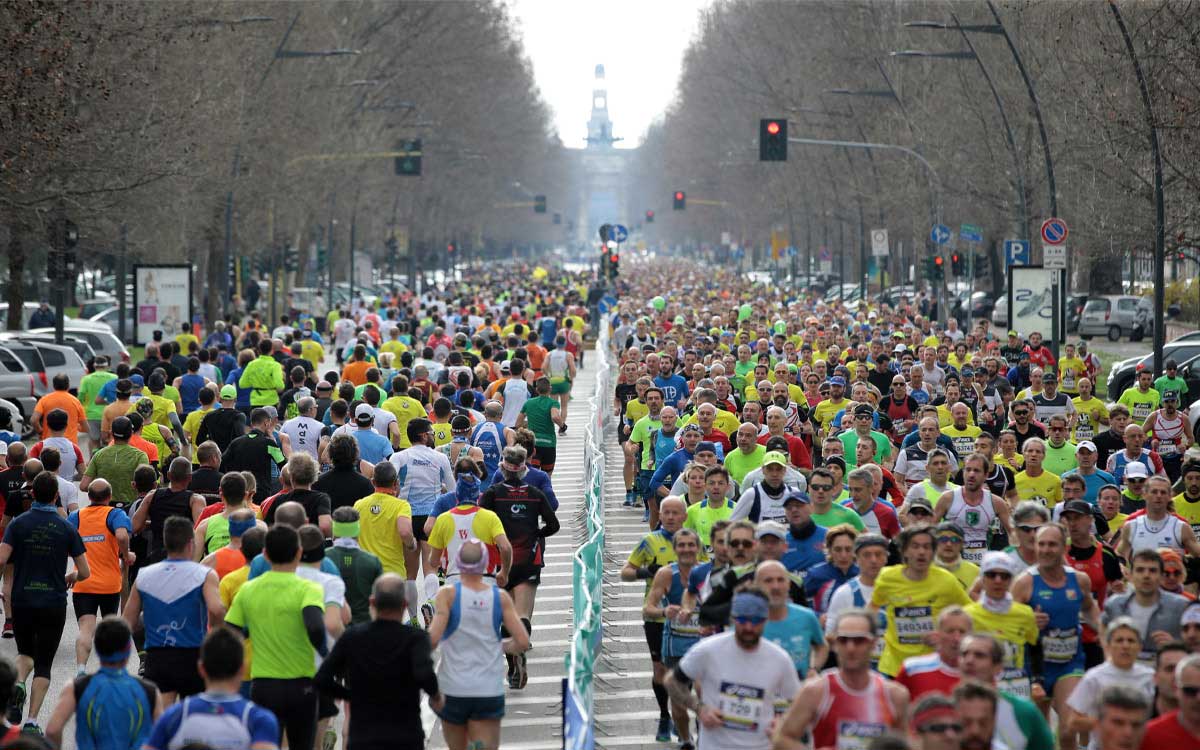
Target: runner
[(474, 624), (528, 519), (105, 532), (1018, 723), (542, 414), (1062, 600), (1010, 622), (175, 599), (846, 706), (974, 508), (738, 676), (37, 544)]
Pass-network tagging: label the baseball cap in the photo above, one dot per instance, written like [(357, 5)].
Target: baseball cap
[(706, 446), (774, 457), (1170, 396), (1012, 333), (1085, 445), (864, 409), (137, 381), (838, 380), (228, 392), (834, 461), (1049, 377), (505, 366), (364, 414), (900, 348), (798, 496), (770, 528), (920, 503), (693, 427), (1189, 467), (996, 560), (1136, 470), (145, 407), (1077, 506), (951, 527), (121, 427)]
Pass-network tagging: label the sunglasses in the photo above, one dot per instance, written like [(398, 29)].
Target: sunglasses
[(1028, 529), (844, 639), (821, 487), (741, 544), (997, 574), (749, 620), (941, 728), (1190, 691), (949, 539), (1020, 413), (1131, 480)]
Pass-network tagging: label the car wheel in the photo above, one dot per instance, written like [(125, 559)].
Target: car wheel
[(1114, 333), (1137, 334)]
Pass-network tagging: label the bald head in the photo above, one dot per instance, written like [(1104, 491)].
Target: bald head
[(387, 596), (291, 514)]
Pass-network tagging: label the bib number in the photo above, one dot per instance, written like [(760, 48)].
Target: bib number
[(1016, 682), (857, 735), (1060, 645), (741, 707), (1168, 448), (913, 624)]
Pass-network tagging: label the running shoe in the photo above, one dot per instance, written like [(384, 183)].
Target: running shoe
[(16, 704), (427, 613), (686, 746), (7, 632), (646, 516), (31, 728), (520, 671), (562, 428), (664, 729), (629, 499), (329, 741)]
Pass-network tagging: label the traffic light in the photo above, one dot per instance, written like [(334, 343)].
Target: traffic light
[(956, 264), (939, 268), (539, 204), (649, 217), (604, 272), (680, 200), (291, 259), (451, 247), (409, 165), (322, 256), (772, 140), (558, 218), (614, 264)]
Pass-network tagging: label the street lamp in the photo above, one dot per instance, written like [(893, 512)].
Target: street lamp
[(1018, 170)]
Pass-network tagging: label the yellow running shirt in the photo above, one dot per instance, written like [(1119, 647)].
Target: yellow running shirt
[(912, 608), (1045, 489)]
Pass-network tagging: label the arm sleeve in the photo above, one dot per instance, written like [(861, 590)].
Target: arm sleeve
[(550, 524), (715, 609), (314, 627)]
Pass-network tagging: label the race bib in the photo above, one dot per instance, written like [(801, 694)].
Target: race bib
[(1060, 644), (1141, 411), (1016, 682), (913, 624), (857, 735), (973, 550), (1168, 448), (741, 707)]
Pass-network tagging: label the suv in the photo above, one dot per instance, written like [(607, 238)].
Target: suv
[(17, 385), (1112, 315), (44, 360), (103, 342)]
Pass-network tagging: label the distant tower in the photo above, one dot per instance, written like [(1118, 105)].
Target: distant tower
[(599, 126)]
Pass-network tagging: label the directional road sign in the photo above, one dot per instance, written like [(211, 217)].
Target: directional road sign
[(879, 242), (825, 254), (791, 251), (618, 233), (940, 234), (1054, 231), (970, 233), (1016, 252)]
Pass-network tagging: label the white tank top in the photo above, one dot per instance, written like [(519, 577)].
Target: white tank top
[(304, 433), (975, 521), (1168, 432), (1147, 534), (556, 363), (472, 664)]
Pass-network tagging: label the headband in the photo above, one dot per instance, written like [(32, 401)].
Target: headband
[(238, 528), (345, 528), (931, 715), (480, 566), (746, 604)]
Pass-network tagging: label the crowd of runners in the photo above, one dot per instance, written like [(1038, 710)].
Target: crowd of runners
[(286, 532), (868, 530)]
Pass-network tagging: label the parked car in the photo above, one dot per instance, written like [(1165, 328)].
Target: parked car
[(44, 360), (17, 386), (30, 308), (1000, 310), (1121, 374), (18, 421), (891, 295), (110, 318), (102, 341), (90, 307), (1111, 315)]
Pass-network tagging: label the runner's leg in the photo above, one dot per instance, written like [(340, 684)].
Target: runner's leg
[(483, 734)]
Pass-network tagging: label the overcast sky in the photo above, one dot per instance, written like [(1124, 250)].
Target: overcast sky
[(639, 42)]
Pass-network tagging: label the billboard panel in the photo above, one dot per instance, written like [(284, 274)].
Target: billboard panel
[(162, 300), (1031, 300)]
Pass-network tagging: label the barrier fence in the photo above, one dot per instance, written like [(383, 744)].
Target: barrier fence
[(588, 567)]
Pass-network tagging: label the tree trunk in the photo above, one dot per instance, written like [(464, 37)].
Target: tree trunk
[(16, 276)]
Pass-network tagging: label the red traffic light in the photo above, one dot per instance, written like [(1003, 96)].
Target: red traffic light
[(614, 258), (678, 195), (954, 258), (773, 128), (939, 261), (451, 247), (649, 214)]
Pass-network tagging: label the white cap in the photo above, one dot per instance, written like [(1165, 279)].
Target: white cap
[(996, 560), (1136, 470), (1086, 445), (364, 413)]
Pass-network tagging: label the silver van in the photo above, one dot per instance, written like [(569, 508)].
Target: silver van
[(1112, 315)]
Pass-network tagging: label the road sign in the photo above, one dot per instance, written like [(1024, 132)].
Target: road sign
[(618, 233), (970, 233), (825, 255), (791, 251), (1054, 231), (1016, 252), (879, 243), (940, 234), (737, 252), (1054, 257)]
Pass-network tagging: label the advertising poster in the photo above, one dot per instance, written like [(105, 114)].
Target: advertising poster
[(162, 300), (1031, 300)]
